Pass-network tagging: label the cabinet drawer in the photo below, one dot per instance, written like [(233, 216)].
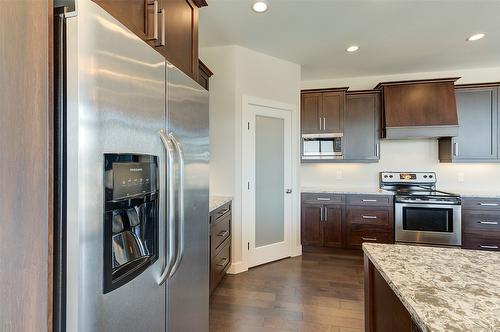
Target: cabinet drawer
[(220, 263), (369, 200), (356, 238), (481, 204), (315, 198), (478, 221), (481, 243), (369, 216), (219, 232), (221, 212)]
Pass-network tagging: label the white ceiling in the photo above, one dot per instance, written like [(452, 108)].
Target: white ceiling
[(394, 36)]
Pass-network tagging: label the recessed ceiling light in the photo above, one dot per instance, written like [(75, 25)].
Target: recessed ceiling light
[(352, 48), (476, 37), (259, 7)]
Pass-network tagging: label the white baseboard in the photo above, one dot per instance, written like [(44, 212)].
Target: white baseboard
[(297, 251), (237, 267)]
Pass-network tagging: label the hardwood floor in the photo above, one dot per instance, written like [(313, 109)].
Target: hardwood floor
[(314, 292)]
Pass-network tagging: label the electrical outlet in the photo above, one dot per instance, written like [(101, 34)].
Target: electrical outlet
[(339, 175), (461, 177)]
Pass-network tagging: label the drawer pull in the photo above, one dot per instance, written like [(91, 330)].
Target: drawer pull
[(488, 222), (223, 262), (369, 217), (223, 233), (369, 238), (488, 204), (369, 200), (224, 211), (323, 199), (488, 247)]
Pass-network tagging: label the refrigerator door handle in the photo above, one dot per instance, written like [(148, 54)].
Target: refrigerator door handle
[(170, 246), (180, 204)]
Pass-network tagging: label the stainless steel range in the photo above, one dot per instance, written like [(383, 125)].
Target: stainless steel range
[(423, 214)]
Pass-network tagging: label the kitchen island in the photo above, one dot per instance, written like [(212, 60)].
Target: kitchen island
[(414, 288)]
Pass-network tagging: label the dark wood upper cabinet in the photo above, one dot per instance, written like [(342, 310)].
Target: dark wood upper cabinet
[(312, 105), (478, 138), (322, 111), (333, 111), (361, 126), (204, 74), (176, 33)]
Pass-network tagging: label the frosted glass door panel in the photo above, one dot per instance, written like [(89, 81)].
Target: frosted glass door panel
[(269, 180)]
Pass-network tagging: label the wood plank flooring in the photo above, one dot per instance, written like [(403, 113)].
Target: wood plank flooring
[(314, 292)]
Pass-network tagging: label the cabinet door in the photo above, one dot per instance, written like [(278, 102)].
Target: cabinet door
[(311, 224), (332, 226), (132, 13), (361, 127), (181, 35), (333, 112), (478, 119), (312, 104)]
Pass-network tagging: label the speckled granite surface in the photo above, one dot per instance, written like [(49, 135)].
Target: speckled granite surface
[(346, 191), (443, 289), (217, 201)]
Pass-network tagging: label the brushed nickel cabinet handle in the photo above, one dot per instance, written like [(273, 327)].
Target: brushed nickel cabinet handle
[(369, 217), (325, 214), (155, 21), (163, 28), (320, 123), (224, 211), (324, 123), (369, 200), (322, 199), (455, 149), (223, 262), (369, 238), (488, 247), (488, 204), (223, 233), (321, 214), (488, 222)]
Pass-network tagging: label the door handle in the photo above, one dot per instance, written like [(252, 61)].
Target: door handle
[(325, 214), (369, 238), (223, 233), (162, 28), (155, 21), (488, 204), (223, 262), (320, 123), (488, 222), (488, 247), (321, 214), (369, 200), (289, 191), (324, 123), (369, 217), (455, 149), (180, 205), (170, 247)]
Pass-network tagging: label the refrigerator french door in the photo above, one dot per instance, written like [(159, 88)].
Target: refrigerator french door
[(131, 182)]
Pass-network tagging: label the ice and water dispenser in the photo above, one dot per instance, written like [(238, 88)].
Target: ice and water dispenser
[(131, 209)]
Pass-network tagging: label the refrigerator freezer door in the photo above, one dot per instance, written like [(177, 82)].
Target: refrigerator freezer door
[(116, 104), (188, 124)]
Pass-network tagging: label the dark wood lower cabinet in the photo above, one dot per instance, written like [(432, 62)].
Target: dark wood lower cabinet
[(220, 244), (346, 221), (481, 223), (384, 312)]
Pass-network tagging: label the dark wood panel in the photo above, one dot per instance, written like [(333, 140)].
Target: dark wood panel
[(361, 126), (311, 227), (369, 200), (333, 112), (333, 226), (219, 232), (369, 216), (491, 243), (131, 13), (323, 198), (26, 165), (219, 264), (355, 239), (481, 222), (204, 74), (384, 312), (430, 103), (222, 211), (478, 203), (311, 110)]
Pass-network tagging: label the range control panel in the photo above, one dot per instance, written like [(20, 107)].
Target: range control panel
[(408, 177)]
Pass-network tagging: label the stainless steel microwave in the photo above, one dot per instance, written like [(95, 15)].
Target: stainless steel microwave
[(322, 146)]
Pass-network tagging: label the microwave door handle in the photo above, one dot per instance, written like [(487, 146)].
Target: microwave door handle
[(170, 245), (180, 204)]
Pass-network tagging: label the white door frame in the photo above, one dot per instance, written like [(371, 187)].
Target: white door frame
[(292, 227)]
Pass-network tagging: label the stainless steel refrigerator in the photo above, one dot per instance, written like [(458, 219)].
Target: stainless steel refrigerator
[(131, 172)]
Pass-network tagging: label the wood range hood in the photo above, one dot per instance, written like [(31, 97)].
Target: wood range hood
[(419, 109)]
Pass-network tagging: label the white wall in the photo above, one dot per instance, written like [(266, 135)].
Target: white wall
[(242, 72), (405, 155)]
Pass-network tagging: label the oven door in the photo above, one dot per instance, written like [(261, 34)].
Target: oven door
[(428, 223)]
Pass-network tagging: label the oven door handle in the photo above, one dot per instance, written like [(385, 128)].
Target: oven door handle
[(430, 206)]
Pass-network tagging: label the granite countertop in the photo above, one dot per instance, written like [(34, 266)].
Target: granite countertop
[(346, 190), (217, 201), (443, 289)]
